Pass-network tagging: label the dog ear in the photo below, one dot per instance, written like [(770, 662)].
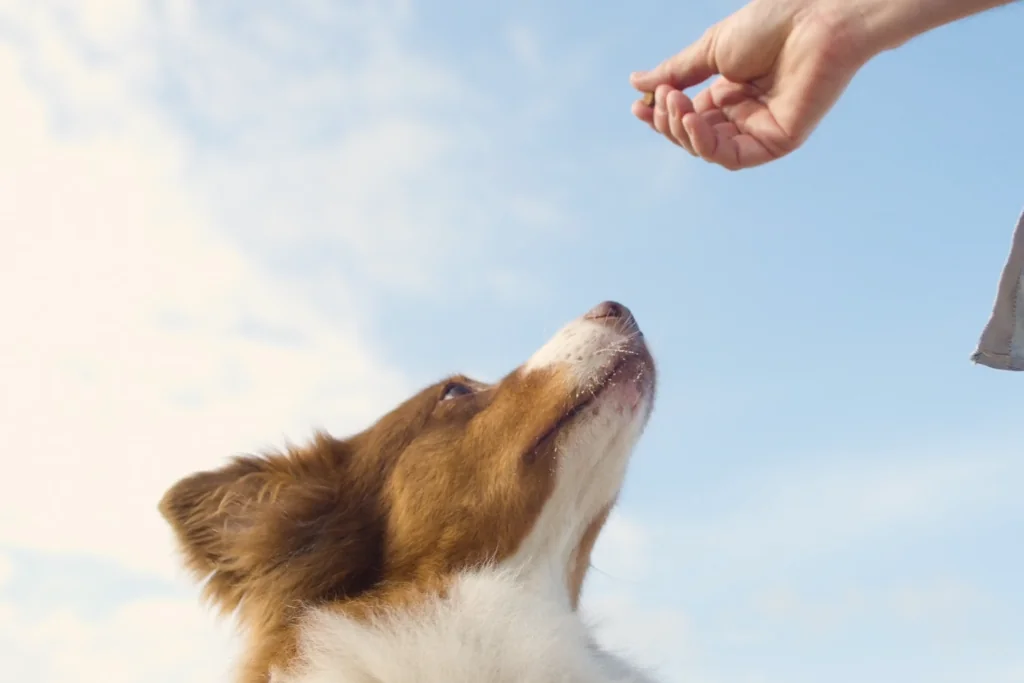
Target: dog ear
[(295, 527), (211, 514)]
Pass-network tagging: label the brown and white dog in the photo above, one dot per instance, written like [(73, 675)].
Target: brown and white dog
[(447, 543)]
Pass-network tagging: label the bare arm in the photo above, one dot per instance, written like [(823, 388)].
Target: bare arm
[(890, 23)]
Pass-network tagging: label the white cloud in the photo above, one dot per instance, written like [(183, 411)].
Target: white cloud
[(622, 552), (749, 571), (525, 46), (374, 153), (943, 605), (1013, 673), (780, 516), (157, 641), (6, 570), (108, 21), (139, 343), (153, 329), (658, 639)]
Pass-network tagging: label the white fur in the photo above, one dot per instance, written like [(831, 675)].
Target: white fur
[(579, 347), (491, 629), (592, 456), (512, 623)]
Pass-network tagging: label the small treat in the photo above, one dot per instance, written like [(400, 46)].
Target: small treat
[(648, 99)]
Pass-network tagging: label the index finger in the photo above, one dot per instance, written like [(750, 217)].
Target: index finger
[(693, 65)]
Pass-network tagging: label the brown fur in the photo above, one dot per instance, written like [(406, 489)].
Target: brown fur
[(433, 487), (581, 559)]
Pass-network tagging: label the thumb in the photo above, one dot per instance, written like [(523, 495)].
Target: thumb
[(693, 65)]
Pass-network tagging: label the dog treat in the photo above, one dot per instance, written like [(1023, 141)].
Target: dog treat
[(1002, 341), (648, 99)]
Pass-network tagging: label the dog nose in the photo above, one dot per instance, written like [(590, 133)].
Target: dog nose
[(612, 313)]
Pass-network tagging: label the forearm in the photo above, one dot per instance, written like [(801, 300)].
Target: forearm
[(886, 24)]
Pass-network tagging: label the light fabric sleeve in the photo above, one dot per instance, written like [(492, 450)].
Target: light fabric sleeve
[(1002, 341)]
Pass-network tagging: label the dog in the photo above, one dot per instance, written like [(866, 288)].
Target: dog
[(448, 542)]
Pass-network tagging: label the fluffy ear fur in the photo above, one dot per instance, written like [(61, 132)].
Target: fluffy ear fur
[(280, 530)]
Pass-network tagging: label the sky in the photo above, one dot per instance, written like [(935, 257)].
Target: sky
[(223, 225)]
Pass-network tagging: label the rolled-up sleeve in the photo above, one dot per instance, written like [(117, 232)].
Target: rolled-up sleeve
[(1002, 341)]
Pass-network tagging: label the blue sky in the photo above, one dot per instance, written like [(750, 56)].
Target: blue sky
[(231, 224)]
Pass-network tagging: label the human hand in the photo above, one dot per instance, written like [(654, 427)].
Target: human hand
[(783, 64)]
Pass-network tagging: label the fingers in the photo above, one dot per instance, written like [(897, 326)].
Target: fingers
[(693, 65), (665, 115), (674, 116), (721, 142), (644, 112), (702, 135), (707, 126), (677, 106), (707, 134)]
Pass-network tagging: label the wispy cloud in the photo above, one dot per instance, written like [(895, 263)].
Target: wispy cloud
[(821, 556), (206, 205), (198, 212), (163, 236), (6, 570), (810, 508), (123, 307), (149, 640)]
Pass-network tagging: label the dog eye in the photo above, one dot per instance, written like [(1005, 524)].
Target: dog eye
[(454, 390)]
